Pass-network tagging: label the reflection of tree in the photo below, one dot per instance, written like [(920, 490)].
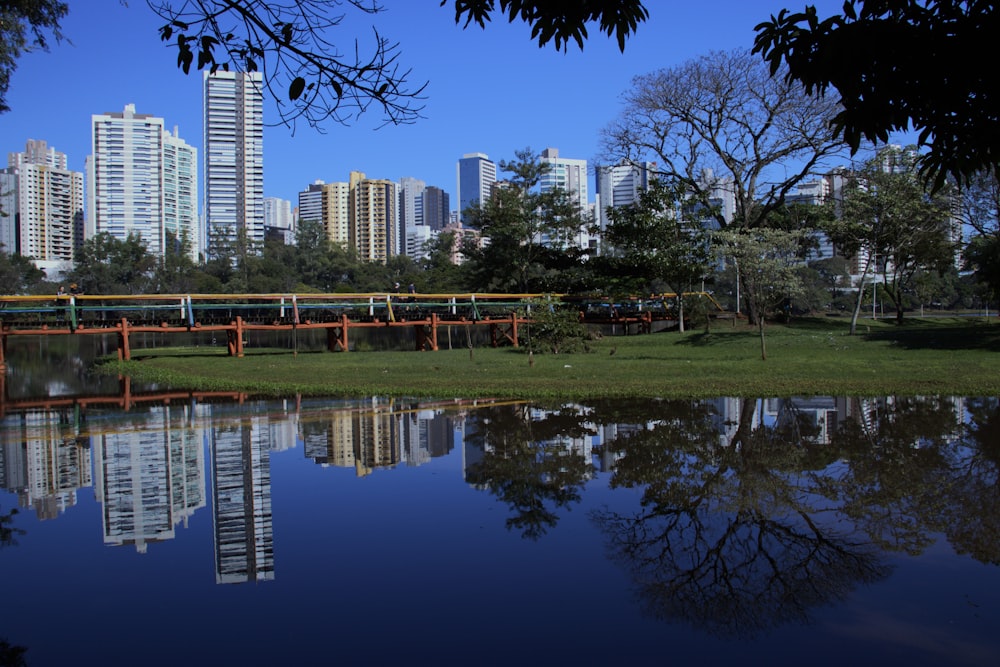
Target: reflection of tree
[(973, 515), (527, 464), (731, 538), (896, 481), (12, 655), (7, 529)]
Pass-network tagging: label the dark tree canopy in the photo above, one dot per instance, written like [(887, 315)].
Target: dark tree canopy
[(898, 65), (559, 22)]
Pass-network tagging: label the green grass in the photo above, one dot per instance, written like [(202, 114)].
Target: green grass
[(808, 357)]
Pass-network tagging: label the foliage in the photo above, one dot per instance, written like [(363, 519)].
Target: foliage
[(661, 237), (107, 265), (898, 65), (720, 124), (18, 274), (176, 272), (529, 231), (767, 261), (559, 22), (293, 44), (887, 214), (25, 25), (557, 329)]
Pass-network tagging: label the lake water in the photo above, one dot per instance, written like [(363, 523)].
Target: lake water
[(219, 530)]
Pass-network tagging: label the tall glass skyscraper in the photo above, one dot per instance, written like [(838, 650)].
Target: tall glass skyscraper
[(476, 176), (234, 158)]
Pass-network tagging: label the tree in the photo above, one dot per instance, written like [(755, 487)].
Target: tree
[(661, 237), (979, 209), (724, 129), (767, 261), (922, 64), (292, 43), (107, 265), (18, 274), (527, 231), (25, 25), (888, 217), (176, 271)]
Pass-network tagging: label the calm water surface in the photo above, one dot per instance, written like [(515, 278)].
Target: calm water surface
[(206, 530), (139, 527)]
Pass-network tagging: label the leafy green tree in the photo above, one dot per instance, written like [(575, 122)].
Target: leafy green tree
[(18, 274), (25, 25), (888, 215), (176, 272), (896, 66), (662, 237), (767, 261), (438, 272), (527, 229), (721, 125), (107, 265), (979, 209)]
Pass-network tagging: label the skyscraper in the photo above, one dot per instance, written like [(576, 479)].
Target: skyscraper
[(435, 208), (566, 174), (278, 220), (328, 204), (374, 217), (476, 176), (141, 180), (411, 208), (49, 206), (620, 185), (234, 158)]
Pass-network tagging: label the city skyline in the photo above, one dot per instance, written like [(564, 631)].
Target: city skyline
[(477, 90)]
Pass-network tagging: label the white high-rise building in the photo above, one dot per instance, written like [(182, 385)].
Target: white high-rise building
[(49, 206), (142, 180), (234, 157), (476, 176), (411, 209), (278, 220), (565, 174), (620, 185)]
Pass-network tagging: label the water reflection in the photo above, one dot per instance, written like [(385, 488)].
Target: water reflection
[(750, 514)]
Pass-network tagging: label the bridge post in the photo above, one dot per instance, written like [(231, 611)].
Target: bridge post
[(124, 349), (513, 328)]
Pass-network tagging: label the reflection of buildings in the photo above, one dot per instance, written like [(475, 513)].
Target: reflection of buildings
[(241, 480), (44, 464), (378, 436), (148, 480)]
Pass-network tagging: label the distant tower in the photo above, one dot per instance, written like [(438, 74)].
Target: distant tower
[(328, 204), (411, 207), (435, 205), (49, 206), (278, 220), (476, 176), (567, 174), (374, 217), (234, 157), (620, 185), (141, 180)]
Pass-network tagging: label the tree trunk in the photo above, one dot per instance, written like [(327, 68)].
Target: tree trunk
[(763, 348), (861, 296), (680, 313)]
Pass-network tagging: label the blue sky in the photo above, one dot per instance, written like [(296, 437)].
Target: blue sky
[(491, 91)]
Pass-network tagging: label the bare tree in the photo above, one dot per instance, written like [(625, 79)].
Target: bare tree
[(721, 125)]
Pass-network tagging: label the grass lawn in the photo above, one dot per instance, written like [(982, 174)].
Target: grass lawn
[(952, 356)]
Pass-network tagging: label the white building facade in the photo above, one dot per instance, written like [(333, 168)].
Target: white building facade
[(142, 181), (233, 157)]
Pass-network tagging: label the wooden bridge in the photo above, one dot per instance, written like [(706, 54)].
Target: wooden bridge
[(336, 314)]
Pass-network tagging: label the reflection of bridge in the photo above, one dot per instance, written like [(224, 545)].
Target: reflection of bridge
[(336, 314)]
